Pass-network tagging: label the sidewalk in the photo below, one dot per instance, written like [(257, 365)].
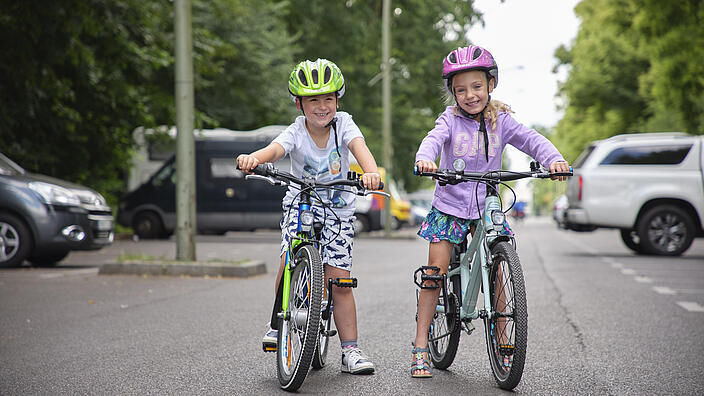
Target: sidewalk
[(236, 254)]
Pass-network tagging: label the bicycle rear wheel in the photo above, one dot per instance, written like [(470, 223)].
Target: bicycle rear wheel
[(446, 325), (321, 347), (507, 330), (298, 332)]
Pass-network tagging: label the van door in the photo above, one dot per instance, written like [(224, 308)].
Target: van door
[(226, 201)]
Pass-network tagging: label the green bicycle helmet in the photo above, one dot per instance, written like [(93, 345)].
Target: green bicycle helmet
[(306, 79)]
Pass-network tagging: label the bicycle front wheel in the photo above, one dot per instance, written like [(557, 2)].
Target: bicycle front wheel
[(299, 330), (507, 330), (444, 332)]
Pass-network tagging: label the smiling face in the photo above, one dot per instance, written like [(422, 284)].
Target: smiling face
[(472, 90), (319, 110)]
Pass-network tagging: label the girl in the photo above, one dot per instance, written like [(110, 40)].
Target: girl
[(322, 152), (473, 131)]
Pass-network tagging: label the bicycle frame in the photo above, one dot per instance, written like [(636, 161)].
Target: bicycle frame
[(303, 237), (477, 252)]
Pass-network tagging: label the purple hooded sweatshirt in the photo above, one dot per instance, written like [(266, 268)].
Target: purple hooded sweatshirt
[(456, 136)]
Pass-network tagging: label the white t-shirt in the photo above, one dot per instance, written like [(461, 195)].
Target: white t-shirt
[(323, 164)]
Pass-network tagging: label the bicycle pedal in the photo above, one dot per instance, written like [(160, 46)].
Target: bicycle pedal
[(435, 278), (506, 350), (345, 282), (329, 333), (269, 347)]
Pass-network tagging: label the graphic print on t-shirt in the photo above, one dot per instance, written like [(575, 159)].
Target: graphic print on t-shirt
[(319, 168)]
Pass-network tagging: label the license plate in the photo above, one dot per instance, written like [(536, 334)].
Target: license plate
[(104, 225)]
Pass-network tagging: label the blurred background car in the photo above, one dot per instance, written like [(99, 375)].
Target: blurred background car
[(420, 205), (559, 211), (43, 218)]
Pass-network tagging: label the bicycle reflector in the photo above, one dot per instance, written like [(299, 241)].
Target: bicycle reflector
[(498, 217), (306, 220)]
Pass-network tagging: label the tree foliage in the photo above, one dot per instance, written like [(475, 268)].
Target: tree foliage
[(633, 68)]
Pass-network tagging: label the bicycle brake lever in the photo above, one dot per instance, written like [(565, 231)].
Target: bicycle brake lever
[(272, 181)]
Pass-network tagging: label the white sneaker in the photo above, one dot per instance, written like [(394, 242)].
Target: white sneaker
[(354, 361), (269, 340)]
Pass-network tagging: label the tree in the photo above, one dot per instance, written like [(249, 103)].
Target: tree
[(633, 68)]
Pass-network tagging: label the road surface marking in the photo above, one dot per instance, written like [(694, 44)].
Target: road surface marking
[(628, 271), (664, 290), (690, 306), (643, 279)]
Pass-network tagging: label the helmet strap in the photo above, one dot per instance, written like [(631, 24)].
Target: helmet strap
[(482, 123), (333, 124)]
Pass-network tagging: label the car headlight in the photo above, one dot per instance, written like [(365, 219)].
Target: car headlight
[(55, 195), (91, 199)]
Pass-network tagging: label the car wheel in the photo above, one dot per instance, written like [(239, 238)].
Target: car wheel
[(361, 224), (632, 240), (665, 230), (49, 260), (15, 241), (147, 225)]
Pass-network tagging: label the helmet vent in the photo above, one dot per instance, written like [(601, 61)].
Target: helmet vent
[(327, 75), (314, 74), (453, 57), (476, 53), (302, 77)]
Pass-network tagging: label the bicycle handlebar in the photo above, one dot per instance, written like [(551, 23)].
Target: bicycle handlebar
[(454, 177), (267, 171)]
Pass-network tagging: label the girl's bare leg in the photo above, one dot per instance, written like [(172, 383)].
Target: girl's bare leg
[(438, 256)]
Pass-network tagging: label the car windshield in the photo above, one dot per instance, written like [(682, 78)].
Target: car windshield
[(7, 167)]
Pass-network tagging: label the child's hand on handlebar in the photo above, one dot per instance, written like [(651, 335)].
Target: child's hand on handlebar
[(247, 162), (559, 166), (371, 181), (426, 166)]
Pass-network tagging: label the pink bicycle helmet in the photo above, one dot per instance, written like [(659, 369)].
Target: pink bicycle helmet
[(469, 58)]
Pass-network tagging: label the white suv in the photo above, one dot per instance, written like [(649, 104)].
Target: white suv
[(650, 186)]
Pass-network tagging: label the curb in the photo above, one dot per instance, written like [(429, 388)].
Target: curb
[(185, 268)]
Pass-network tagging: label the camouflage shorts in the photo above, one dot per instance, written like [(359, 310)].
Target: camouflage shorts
[(337, 249)]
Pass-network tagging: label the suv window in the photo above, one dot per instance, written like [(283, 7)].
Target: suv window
[(583, 156), (647, 155)]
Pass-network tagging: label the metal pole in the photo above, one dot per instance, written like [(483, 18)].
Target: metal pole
[(185, 143), (386, 104)]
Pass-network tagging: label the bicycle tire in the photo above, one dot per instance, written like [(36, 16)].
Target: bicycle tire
[(507, 334), (443, 350), (298, 333)]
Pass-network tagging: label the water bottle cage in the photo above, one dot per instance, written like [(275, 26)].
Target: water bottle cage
[(434, 277)]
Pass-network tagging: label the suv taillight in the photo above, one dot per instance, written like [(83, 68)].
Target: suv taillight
[(579, 193)]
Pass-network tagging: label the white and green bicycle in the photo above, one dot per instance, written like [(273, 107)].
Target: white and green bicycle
[(490, 265)]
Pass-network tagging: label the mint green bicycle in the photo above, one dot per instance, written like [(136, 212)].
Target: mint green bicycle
[(490, 265)]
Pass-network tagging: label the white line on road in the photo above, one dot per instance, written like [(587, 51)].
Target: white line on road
[(664, 290), (628, 271), (690, 306), (643, 279)]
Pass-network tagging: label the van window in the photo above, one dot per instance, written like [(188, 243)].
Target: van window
[(166, 174), (647, 155), (224, 167)]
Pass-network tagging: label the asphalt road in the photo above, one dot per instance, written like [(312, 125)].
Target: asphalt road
[(603, 321)]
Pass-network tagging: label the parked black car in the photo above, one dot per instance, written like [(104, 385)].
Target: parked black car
[(43, 218)]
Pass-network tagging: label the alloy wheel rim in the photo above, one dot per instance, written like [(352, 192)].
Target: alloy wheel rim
[(667, 232), (8, 241)]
